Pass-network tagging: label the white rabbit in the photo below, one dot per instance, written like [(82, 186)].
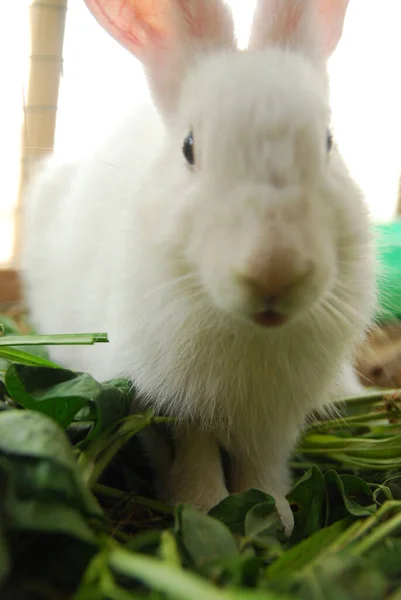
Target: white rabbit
[(222, 245)]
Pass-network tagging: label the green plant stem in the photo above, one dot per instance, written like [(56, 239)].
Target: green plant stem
[(154, 505), (355, 420), (361, 529), (113, 493), (363, 400), (108, 492), (383, 530)]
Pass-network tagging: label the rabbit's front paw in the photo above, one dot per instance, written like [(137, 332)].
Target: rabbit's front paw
[(200, 498), (286, 515), (196, 476)]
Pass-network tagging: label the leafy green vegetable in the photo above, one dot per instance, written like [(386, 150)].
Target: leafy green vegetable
[(62, 394), (262, 524), (322, 499), (38, 463), (204, 537), (233, 510), (309, 496), (65, 436), (43, 493), (347, 494)]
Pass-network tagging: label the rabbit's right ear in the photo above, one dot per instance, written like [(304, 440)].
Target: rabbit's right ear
[(166, 36), (313, 27)]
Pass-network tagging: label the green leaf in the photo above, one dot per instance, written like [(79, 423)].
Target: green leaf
[(205, 538), (102, 450), (348, 494), (309, 496), (38, 462), (45, 505), (25, 358), (232, 510), (38, 351), (28, 433), (61, 394), (261, 518)]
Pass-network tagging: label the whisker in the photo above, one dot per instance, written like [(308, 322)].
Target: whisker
[(172, 284), (337, 315)]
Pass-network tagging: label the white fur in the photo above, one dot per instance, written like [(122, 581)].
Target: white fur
[(135, 243)]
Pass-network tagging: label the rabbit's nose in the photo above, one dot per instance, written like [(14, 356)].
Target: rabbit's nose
[(274, 280)]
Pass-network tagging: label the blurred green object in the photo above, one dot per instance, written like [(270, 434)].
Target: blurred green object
[(388, 242)]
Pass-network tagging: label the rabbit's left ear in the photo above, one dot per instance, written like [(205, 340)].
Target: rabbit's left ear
[(166, 36), (312, 26)]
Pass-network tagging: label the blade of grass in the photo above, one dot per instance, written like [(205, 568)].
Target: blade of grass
[(73, 339)]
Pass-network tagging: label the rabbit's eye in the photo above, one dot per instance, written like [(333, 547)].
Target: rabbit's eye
[(329, 141), (188, 148)]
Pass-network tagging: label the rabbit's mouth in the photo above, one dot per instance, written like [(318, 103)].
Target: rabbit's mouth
[(270, 318)]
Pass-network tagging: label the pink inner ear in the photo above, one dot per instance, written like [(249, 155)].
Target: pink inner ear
[(166, 35), (287, 22), (332, 14), (133, 23), (208, 20), (312, 26), (279, 22)]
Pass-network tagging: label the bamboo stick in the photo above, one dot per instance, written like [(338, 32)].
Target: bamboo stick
[(47, 23)]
